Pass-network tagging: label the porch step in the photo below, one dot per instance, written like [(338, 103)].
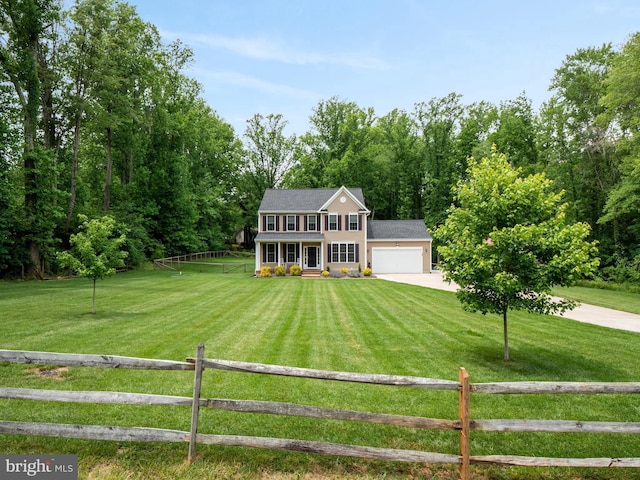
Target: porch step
[(309, 272)]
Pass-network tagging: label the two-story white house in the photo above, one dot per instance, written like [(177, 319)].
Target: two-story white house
[(320, 228)]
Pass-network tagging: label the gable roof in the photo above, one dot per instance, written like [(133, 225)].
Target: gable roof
[(306, 200), (397, 230)]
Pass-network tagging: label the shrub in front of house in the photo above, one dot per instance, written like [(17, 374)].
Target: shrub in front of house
[(366, 272), (325, 273), (280, 271), (344, 270), (295, 270), (265, 272)]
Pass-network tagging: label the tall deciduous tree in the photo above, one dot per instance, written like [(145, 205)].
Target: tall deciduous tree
[(506, 242), (577, 150), (622, 103), (516, 133), (405, 168), (269, 155), (24, 26), (439, 123)]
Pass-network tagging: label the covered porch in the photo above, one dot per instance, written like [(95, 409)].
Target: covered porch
[(303, 249)]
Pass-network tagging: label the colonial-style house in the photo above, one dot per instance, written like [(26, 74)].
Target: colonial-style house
[(320, 228)]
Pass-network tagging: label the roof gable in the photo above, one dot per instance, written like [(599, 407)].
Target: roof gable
[(345, 191)]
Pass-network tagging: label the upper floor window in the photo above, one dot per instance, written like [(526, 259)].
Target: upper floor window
[(312, 223), (270, 223), (353, 221), (333, 221), (291, 223)]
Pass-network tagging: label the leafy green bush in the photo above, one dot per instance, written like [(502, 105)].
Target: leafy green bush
[(622, 270), (295, 270), (280, 271), (265, 272)]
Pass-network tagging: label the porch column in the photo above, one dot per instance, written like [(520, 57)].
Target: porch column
[(258, 250), (300, 255)]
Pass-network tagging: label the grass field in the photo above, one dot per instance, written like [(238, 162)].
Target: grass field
[(358, 325), (618, 300)]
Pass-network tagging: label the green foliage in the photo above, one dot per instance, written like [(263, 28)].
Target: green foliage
[(96, 250), (280, 271), (506, 241), (577, 143), (295, 270)]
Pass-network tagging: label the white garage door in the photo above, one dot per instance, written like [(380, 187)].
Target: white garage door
[(396, 260)]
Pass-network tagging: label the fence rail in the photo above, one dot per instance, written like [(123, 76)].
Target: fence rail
[(176, 262), (464, 424)]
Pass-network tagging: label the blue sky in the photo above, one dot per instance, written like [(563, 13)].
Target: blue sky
[(277, 56)]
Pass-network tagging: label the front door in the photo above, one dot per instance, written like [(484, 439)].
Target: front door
[(311, 257)]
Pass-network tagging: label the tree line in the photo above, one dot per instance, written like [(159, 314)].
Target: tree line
[(97, 116)]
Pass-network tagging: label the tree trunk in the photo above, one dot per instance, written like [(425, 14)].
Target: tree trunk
[(93, 302), (74, 170), (131, 156), (107, 182), (506, 336), (30, 165)]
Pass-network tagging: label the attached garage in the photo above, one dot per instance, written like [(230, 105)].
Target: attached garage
[(398, 246), (396, 259)]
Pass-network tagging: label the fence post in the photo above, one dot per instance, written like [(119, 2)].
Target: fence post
[(195, 408), (465, 423)]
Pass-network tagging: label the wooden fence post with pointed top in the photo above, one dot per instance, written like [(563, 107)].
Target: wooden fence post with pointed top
[(465, 423), (195, 408)]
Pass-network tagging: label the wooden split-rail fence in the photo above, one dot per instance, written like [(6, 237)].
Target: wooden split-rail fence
[(464, 424), (204, 259)]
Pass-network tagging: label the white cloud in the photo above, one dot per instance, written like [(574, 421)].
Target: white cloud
[(241, 80), (269, 50)]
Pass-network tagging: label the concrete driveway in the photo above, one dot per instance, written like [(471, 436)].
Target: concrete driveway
[(604, 317)]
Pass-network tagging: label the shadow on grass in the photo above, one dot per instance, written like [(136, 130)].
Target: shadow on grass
[(533, 362)]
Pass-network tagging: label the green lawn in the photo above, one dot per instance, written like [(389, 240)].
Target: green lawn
[(359, 325), (618, 300)]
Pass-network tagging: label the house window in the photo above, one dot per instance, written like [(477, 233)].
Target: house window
[(271, 256), (271, 223), (343, 252), (353, 221), (333, 221), (291, 223), (292, 250), (312, 223)]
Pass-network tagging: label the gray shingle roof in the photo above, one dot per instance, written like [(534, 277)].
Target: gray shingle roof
[(302, 200), (289, 237), (397, 230)]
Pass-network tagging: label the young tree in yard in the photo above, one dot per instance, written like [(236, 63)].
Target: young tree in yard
[(95, 251), (506, 242)]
